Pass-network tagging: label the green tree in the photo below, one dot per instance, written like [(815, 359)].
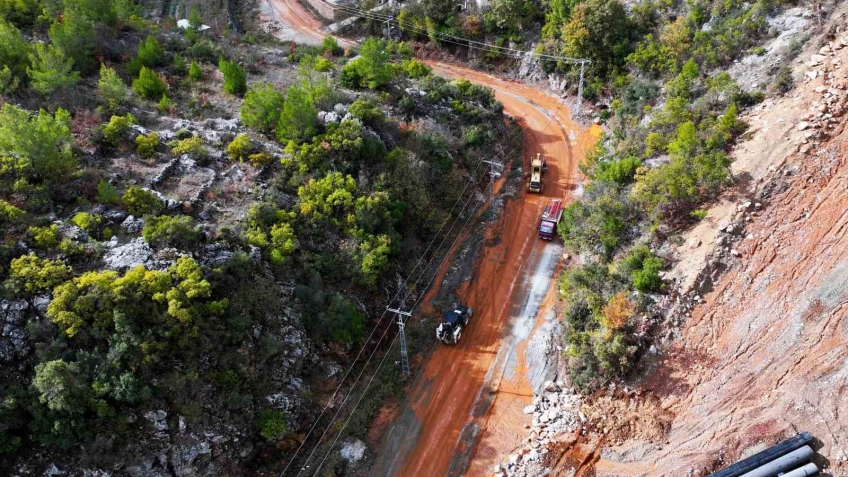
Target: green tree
[(371, 70), (150, 54), (329, 46), (30, 275), (262, 107), (43, 141), (331, 197), (149, 85), (168, 231), (22, 13), (194, 72), (62, 386), (112, 89), (14, 52), (235, 79), (598, 30), (180, 67), (558, 16), (299, 117), (74, 36), (194, 18), (106, 193)]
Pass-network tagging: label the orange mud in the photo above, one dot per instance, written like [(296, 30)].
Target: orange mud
[(465, 405)]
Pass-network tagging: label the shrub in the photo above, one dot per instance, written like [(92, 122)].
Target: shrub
[(106, 193), (192, 146), (364, 110), (9, 213), (299, 117), (240, 148), (330, 46), (783, 81), (150, 54), (117, 127), (141, 202), (51, 69), (371, 70), (235, 79), (148, 84), (617, 311), (262, 107), (112, 89), (168, 231), (272, 424), (14, 50), (416, 69), (180, 67), (146, 145), (619, 171), (30, 275), (87, 221), (194, 72), (643, 268), (323, 65), (45, 140), (164, 105), (260, 159), (45, 238)]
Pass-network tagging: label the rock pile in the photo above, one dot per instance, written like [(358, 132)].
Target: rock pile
[(555, 411), (822, 118)]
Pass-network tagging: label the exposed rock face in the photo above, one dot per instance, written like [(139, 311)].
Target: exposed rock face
[(13, 342), (124, 257)]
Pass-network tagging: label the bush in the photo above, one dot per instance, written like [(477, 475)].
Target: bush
[(260, 159), (299, 117), (30, 275), (45, 140), (117, 127), (371, 70), (180, 67), (13, 51), (262, 107), (194, 72), (272, 424), (106, 193), (140, 202), (192, 146), (167, 231), (112, 89), (149, 85), (330, 46), (240, 148), (783, 81), (51, 69), (323, 65), (235, 79), (643, 268), (164, 105), (45, 238), (87, 221), (416, 69), (150, 55), (145, 146), (9, 213)]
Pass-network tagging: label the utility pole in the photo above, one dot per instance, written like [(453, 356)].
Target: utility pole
[(492, 172), (404, 356)]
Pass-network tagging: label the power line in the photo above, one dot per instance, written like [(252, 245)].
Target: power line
[(365, 391), (447, 37), (400, 290)]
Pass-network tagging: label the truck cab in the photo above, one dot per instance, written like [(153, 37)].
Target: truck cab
[(453, 321), (550, 219)]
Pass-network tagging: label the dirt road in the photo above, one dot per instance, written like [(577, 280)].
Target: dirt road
[(292, 21), (464, 410)]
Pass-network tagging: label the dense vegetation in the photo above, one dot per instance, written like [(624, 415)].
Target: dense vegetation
[(346, 205), (672, 116)]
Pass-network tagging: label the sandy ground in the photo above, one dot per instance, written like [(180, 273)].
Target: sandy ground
[(289, 20), (463, 412)]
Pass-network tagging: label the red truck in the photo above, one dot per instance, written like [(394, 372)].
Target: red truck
[(550, 218)]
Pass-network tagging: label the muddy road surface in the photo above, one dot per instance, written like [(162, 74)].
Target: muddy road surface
[(463, 412), (289, 20)]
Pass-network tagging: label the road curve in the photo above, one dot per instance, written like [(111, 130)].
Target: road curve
[(463, 412), (297, 23)]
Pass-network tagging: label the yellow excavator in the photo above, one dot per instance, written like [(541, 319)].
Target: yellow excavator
[(538, 166)]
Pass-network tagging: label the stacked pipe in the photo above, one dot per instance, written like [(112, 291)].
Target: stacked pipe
[(790, 458)]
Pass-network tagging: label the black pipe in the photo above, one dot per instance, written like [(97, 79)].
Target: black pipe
[(768, 455)]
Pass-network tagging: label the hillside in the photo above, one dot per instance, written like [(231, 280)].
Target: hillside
[(200, 226)]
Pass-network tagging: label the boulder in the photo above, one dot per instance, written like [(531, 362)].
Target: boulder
[(353, 451)]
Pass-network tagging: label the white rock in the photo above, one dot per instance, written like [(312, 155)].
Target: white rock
[(353, 451), (803, 125), (530, 409)]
